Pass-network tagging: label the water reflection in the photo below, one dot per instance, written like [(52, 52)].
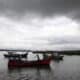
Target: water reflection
[(30, 73), (39, 73)]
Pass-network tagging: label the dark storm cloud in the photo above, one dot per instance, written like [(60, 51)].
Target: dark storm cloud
[(43, 7), (18, 7)]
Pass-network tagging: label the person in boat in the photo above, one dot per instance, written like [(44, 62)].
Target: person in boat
[(38, 57), (34, 57), (42, 57)]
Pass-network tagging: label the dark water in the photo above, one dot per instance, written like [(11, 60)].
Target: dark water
[(68, 69)]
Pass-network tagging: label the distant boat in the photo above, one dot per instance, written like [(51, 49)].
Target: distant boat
[(15, 55), (57, 56)]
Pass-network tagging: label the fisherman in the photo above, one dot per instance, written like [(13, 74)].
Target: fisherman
[(38, 57)]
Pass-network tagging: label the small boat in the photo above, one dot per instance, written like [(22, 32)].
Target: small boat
[(15, 55), (57, 56)]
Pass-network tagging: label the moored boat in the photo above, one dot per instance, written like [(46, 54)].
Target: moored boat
[(21, 63), (15, 55), (18, 60), (57, 56)]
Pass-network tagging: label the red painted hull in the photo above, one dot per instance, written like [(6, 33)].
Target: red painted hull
[(17, 63)]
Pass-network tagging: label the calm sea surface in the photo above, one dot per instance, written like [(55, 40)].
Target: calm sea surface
[(68, 69)]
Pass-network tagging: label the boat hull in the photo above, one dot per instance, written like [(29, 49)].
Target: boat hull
[(19, 63)]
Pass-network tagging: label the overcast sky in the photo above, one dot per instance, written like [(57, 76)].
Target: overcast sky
[(40, 24)]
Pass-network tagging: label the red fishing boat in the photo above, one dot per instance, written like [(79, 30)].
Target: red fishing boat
[(21, 61)]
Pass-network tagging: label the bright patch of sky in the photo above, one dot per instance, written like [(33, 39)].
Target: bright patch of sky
[(38, 33)]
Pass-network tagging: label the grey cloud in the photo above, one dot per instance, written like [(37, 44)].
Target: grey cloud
[(64, 40), (42, 7)]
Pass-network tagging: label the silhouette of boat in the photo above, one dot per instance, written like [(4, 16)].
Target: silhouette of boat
[(57, 56), (15, 55)]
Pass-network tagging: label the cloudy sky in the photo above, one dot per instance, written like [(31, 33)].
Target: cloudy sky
[(40, 24)]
